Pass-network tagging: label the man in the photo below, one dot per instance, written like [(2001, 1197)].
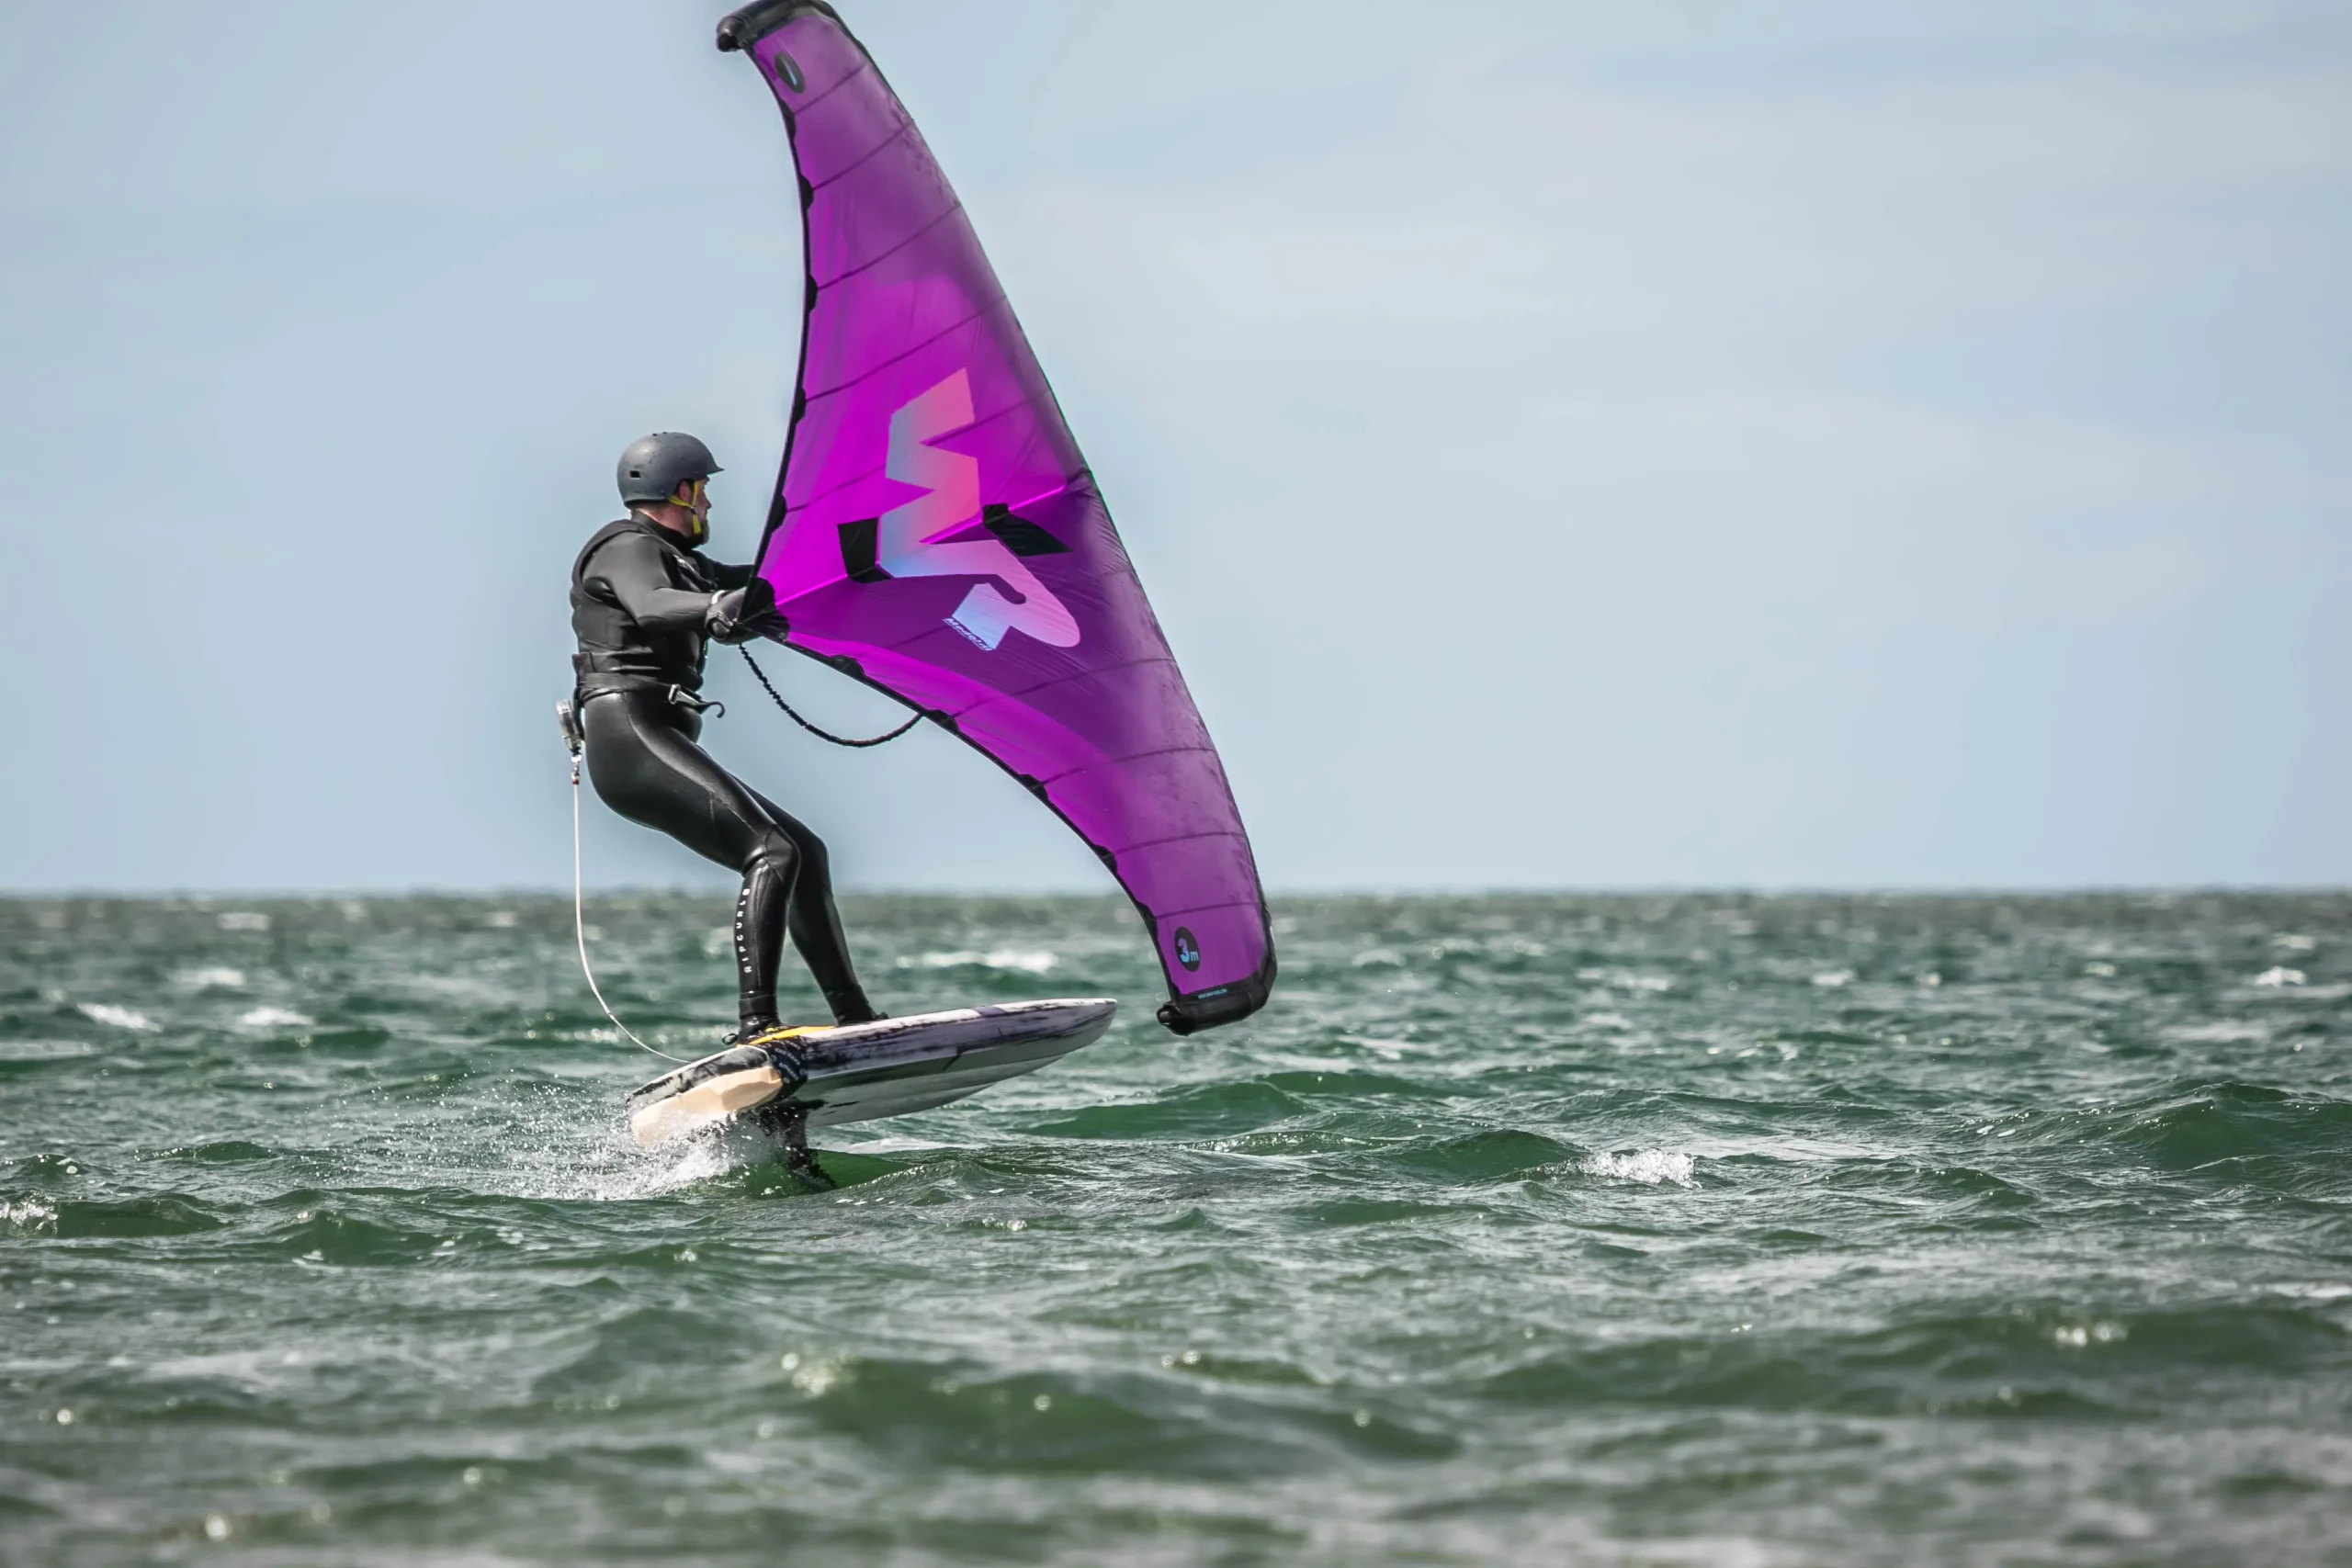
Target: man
[(646, 604)]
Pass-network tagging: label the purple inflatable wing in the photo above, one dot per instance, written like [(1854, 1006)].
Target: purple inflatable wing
[(935, 532)]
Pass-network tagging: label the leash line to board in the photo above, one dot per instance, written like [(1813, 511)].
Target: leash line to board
[(573, 742)]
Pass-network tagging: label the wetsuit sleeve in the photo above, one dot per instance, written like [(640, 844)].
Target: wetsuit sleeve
[(732, 576), (628, 570)]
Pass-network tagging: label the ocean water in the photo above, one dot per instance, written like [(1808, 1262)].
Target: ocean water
[(1610, 1230)]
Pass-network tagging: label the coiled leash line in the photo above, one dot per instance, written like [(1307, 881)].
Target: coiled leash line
[(778, 698), (575, 743)]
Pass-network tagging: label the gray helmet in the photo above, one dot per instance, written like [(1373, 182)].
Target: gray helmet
[(653, 468)]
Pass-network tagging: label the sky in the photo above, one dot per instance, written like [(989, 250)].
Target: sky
[(1841, 444)]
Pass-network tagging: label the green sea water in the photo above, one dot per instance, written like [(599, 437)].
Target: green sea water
[(1627, 1230)]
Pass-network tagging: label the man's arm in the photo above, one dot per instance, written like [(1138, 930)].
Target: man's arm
[(628, 568)]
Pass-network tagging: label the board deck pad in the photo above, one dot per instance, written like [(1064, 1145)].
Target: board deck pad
[(895, 1066)]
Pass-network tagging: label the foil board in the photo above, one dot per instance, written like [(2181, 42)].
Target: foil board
[(895, 1066)]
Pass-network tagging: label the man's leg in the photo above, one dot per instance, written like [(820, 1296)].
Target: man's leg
[(645, 765), (816, 922), (760, 912)]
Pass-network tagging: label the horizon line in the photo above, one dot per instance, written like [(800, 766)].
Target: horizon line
[(1416, 891)]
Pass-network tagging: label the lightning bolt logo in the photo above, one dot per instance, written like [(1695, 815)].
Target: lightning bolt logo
[(903, 541)]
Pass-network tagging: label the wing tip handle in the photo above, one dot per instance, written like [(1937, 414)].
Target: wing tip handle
[(741, 30), (1230, 1004)]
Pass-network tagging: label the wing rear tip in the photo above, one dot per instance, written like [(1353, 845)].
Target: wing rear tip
[(739, 30), (1228, 1004)]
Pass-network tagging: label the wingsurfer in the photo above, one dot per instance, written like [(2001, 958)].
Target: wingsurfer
[(645, 604)]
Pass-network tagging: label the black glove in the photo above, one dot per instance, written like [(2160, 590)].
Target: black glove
[(741, 613)]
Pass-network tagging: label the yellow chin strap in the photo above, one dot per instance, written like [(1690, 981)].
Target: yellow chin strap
[(690, 496)]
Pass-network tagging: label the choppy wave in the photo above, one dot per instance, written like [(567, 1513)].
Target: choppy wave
[(1655, 1230)]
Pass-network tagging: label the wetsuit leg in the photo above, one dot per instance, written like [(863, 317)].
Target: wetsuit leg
[(816, 923), (644, 763), (760, 911)]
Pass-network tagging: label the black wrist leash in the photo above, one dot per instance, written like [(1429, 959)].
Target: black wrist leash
[(777, 699)]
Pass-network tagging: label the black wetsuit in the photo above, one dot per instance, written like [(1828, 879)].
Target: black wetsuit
[(639, 599)]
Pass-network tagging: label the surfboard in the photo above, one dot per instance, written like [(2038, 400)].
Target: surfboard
[(865, 1071)]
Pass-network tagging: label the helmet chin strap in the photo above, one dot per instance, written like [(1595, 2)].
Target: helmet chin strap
[(697, 529)]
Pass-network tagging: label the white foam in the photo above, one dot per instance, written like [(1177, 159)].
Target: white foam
[(1626, 981), (1651, 1167), (2280, 976), (212, 979), (30, 1214), (705, 1159), (2311, 1293), (2225, 1034), (118, 1018), (1835, 979), (1026, 962), (715, 1153), (274, 1018), (243, 921)]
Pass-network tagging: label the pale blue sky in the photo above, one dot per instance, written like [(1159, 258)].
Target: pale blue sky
[(1822, 445)]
